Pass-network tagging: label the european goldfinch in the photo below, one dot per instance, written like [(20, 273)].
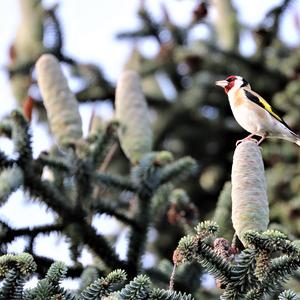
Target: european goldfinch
[(254, 113)]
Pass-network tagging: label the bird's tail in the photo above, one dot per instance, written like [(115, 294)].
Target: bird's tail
[(296, 139), (293, 137)]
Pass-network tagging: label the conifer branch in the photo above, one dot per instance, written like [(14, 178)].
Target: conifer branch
[(158, 294), (178, 170), (159, 276), (53, 198), (191, 248), (138, 235), (12, 287), (22, 263), (43, 264), (5, 162), (145, 176), (242, 276), (102, 144), (48, 193), (52, 21), (11, 234), (99, 245), (287, 295), (6, 128), (57, 163), (280, 270), (22, 139), (49, 286), (271, 241), (104, 286), (101, 208), (56, 273), (10, 180), (138, 288), (206, 229), (115, 181), (214, 264), (83, 178)]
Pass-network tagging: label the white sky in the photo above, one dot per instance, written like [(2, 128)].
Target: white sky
[(89, 28)]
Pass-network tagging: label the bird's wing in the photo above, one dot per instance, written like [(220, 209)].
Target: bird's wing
[(257, 99)]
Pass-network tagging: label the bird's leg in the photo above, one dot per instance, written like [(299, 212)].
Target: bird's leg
[(249, 137), (262, 139)]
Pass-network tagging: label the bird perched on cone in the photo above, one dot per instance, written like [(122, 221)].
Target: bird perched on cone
[(254, 113)]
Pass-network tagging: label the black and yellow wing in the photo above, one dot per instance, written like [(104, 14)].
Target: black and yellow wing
[(266, 106)]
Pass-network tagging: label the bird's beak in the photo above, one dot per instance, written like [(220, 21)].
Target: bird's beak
[(222, 83)]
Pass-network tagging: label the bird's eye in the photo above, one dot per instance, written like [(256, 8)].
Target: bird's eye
[(230, 78), (245, 82)]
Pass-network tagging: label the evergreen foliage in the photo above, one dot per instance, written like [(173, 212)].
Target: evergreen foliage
[(254, 272), (287, 295), (103, 286)]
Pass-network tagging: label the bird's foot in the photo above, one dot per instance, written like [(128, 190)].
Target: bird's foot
[(262, 139), (246, 139)]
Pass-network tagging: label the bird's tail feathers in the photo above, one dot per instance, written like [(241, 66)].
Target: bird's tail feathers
[(295, 138)]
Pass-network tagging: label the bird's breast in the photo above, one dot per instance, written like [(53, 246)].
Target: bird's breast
[(247, 115)]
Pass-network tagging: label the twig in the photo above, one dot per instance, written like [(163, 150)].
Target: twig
[(103, 209), (108, 157), (172, 278), (11, 233), (43, 264)]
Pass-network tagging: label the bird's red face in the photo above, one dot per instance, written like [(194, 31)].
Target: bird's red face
[(228, 83)]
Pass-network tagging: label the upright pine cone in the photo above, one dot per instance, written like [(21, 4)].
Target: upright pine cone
[(250, 207), (60, 103), (131, 111), (225, 24), (28, 44)]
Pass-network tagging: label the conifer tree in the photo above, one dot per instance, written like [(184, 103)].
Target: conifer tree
[(163, 164)]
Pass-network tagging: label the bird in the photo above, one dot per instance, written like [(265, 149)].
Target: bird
[(254, 113)]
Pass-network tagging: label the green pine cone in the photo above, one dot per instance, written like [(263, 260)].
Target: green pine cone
[(226, 24), (28, 44), (60, 103), (135, 131), (250, 207)]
